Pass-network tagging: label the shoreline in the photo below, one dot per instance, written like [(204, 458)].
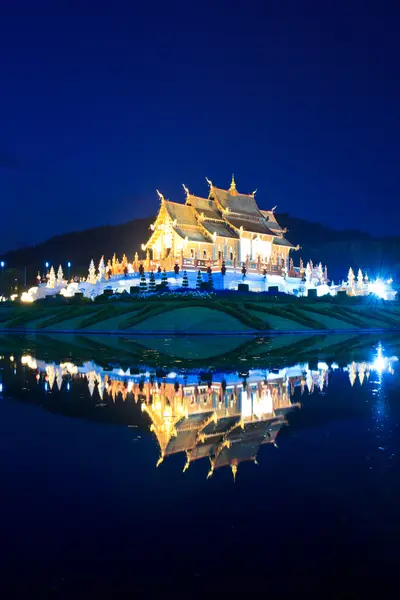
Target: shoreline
[(249, 333)]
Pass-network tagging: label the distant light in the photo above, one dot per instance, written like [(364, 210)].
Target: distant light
[(2, 264), (46, 386), (378, 288), (1, 388), (46, 265), (25, 297), (68, 264), (379, 363), (68, 386)]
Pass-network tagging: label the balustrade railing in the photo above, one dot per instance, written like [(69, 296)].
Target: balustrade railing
[(203, 264)]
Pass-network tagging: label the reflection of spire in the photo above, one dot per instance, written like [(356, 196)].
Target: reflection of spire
[(234, 470), (352, 373), (51, 375), (100, 386), (361, 372), (211, 471), (321, 380), (309, 382), (59, 379), (187, 463), (91, 381)]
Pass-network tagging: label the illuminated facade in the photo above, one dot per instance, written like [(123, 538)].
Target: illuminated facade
[(226, 227)]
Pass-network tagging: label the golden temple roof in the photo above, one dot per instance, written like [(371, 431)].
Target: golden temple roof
[(256, 226), (193, 235), (222, 214), (282, 242), (235, 202), (204, 206), (219, 228), (269, 216), (182, 213)]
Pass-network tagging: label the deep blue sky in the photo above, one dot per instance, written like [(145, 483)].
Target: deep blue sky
[(101, 104)]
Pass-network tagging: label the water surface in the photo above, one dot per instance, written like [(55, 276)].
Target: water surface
[(189, 466)]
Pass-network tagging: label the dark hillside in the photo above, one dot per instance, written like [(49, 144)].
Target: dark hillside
[(338, 249)]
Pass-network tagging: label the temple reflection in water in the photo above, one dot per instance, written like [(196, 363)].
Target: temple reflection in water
[(224, 417)]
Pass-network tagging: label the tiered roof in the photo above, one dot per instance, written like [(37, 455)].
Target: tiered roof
[(204, 207), (271, 221), (181, 213), (210, 216), (187, 224), (253, 226), (231, 201), (224, 213), (282, 242)]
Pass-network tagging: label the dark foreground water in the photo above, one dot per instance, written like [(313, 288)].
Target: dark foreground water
[(244, 470)]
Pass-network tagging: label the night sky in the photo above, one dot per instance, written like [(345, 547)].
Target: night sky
[(101, 104)]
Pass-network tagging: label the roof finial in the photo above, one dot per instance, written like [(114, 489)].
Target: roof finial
[(209, 182), (233, 184), (160, 196), (186, 189)]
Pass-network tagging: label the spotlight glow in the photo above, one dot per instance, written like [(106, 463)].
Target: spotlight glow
[(378, 288)]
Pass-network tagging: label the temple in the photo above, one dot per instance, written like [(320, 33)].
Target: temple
[(226, 227)]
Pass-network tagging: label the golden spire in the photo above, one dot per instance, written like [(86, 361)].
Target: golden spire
[(186, 189), (233, 184)]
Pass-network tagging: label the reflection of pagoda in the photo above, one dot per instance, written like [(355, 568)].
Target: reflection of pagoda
[(225, 419), (226, 422)]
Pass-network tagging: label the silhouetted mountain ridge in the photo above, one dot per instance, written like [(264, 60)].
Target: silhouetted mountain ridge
[(339, 249)]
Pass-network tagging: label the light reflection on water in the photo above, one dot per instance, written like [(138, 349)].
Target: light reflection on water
[(223, 417), (80, 440)]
